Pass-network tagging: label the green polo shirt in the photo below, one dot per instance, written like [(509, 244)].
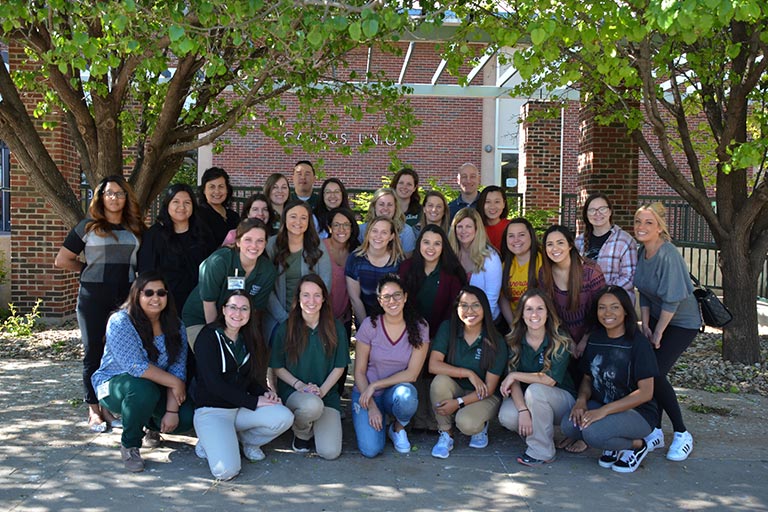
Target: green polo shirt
[(532, 361), (428, 292), (313, 365), (212, 287), (469, 356)]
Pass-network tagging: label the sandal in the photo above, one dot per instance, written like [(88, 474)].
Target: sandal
[(577, 446), (564, 443)]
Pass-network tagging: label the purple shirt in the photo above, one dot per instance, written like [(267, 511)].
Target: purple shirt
[(386, 357)]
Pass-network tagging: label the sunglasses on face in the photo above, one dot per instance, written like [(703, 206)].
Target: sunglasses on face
[(148, 292)]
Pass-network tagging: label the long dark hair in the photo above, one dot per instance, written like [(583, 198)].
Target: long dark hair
[(507, 257), (576, 272), (491, 338), (588, 229), (449, 263), (414, 206), (630, 317), (199, 230), (252, 338), (558, 339), (311, 253), (354, 235), (259, 196), (411, 316), (321, 211), (484, 196), (169, 318), (131, 216), (296, 335), (210, 174)]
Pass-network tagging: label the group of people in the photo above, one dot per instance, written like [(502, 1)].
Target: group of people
[(460, 315)]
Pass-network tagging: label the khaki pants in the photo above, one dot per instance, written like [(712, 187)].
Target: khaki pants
[(192, 333), (471, 419), (313, 418), (548, 406)]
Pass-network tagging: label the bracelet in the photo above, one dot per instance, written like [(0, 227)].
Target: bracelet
[(523, 410), (295, 382), (172, 412)]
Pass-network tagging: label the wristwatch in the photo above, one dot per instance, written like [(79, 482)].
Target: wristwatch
[(461, 403)]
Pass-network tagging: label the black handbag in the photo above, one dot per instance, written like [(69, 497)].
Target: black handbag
[(713, 311)]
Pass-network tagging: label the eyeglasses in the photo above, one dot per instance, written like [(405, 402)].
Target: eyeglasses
[(602, 209), (234, 309), (114, 195), (475, 306), (341, 225), (149, 292), (397, 297)]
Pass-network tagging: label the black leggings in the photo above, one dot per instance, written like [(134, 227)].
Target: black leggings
[(673, 343), (95, 302)]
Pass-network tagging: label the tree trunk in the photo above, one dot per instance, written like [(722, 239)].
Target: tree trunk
[(741, 342)]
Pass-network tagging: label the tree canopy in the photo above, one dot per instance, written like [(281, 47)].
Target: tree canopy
[(694, 72), (140, 84)]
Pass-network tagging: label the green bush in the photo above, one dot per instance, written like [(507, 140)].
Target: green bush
[(21, 325)]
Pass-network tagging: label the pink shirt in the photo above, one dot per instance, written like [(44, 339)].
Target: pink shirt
[(342, 309), (386, 356)]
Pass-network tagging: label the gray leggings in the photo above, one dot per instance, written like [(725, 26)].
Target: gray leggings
[(614, 432)]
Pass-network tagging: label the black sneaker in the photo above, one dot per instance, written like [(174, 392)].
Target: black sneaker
[(301, 445), (527, 460), (608, 458), (629, 460)]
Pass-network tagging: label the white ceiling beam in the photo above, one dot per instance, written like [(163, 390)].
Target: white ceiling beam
[(480, 65), (438, 71), (406, 61)]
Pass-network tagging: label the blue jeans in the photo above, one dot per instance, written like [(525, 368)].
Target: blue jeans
[(400, 401)]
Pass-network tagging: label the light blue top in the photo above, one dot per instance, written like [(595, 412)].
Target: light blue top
[(407, 237)]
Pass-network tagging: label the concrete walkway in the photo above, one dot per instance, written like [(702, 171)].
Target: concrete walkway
[(48, 461)]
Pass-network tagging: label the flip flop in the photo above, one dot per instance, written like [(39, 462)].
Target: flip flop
[(564, 443), (577, 446)]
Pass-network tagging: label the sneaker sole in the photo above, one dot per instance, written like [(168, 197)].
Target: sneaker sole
[(440, 456), (606, 465), (522, 461), (478, 446), (679, 459)]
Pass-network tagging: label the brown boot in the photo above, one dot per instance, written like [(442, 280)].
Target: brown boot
[(132, 459)]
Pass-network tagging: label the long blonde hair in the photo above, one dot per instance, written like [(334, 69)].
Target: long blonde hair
[(480, 249), (398, 218), (660, 214), (558, 340), (394, 247)]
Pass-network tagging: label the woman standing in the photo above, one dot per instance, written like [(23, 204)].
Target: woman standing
[(478, 257), (670, 315), (341, 242), (255, 207), (434, 211), (390, 352), (607, 244), (493, 210), (405, 183), (385, 204), (215, 193), (143, 370), (379, 254), (278, 191), (176, 244), (614, 410), (333, 195), (109, 241), (234, 406), (519, 247), (571, 281), (309, 356), (468, 358), (539, 391), (296, 251), (242, 267)]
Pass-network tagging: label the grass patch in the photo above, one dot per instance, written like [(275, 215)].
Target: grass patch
[(708, 409)]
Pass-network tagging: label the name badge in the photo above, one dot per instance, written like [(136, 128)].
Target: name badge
[(235, 283)]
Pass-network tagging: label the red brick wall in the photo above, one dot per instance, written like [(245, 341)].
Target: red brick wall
[(37, 232), (540, 159)]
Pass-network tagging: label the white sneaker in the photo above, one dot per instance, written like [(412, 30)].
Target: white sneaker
[(681, 447), (443, 447), (480, 440), (199, 451), (253, 453), (399, 439), (655, 439)]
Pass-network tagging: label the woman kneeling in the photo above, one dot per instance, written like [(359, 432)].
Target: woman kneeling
[(390, 352), (233, 401), (143, 369), (615, 409)]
